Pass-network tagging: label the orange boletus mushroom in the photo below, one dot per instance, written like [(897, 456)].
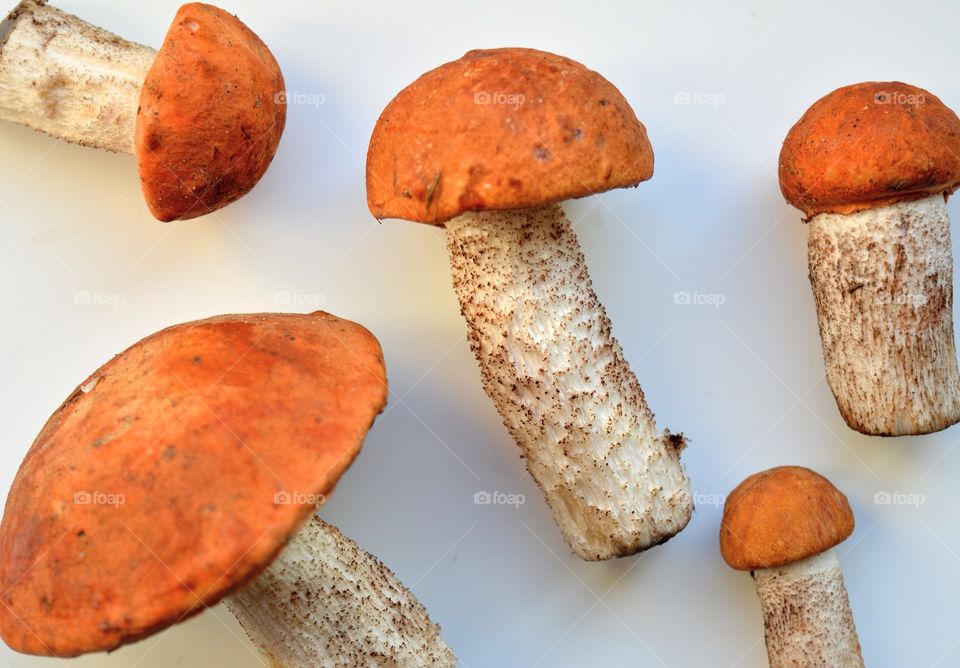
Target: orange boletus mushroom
[(782, 524), (187, 469), (203, 115), (487, 146), (871, 165)]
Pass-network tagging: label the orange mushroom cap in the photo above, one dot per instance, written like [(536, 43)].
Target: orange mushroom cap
[(780, 516), (177, 472), (868, 145), (502, 129), (212, 110)]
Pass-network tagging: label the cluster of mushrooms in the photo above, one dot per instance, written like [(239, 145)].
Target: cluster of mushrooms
[(279, 404)]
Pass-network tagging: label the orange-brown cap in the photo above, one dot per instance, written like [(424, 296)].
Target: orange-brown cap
[(780, 516), (177, 472), (868, 145), (211, 114), (502, 129)]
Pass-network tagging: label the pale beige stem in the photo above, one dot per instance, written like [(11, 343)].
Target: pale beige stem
[(65, 77), (806, 615), (326, 602), (559, 379), (883, 283)]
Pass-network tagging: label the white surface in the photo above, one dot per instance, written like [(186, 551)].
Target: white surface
[(744, 381)]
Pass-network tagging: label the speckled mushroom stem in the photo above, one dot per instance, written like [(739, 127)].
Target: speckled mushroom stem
[(65, 77), (326, 602), (560, 381), (806, 614), (883, 283)]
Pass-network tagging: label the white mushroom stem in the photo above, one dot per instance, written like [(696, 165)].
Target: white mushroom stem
[(883, 283), (326, 602), (806, 615), (65, 77), (560, 381)]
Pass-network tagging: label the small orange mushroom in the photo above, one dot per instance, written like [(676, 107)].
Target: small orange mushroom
[(782, 525)]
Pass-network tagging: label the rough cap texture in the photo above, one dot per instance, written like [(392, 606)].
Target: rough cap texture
[(868, 145), (211, 114), (502, 129), (176, 472), (781, 516)]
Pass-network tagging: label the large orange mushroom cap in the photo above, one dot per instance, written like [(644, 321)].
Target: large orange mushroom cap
[(780, 516), (868, 145), (212, 110), (502, 129), (177, 472)]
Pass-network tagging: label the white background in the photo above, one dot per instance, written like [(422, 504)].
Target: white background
[(744, 381)]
